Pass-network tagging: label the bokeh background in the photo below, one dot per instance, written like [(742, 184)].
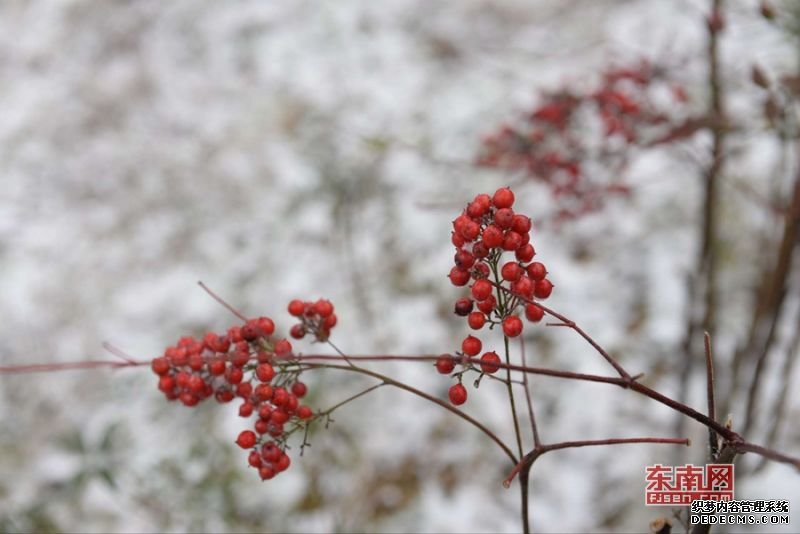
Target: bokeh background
[(287, 149)]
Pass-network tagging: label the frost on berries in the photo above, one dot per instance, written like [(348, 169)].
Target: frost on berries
[(493, 250), (249, 363)]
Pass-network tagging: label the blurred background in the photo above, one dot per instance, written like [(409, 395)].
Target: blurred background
[(279, 150)]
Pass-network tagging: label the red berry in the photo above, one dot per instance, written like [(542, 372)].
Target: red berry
[(297, 331), (270, 452), (463, 306), (250, 332), (533, 313), (543, 289), (266, 472), (480, 270), (503, 198), (261, 426), (512, 240), (471, 346), (458, 276), (304, 412), (299, 389), (476, 210), (482, 289), (471, 230), (483, 200), (166, 383), (265, 372), (511, 271), (330, 321), (537, 271), (480, 250), (234, 375), (457, 240), (246, 439), (254, 459), (504, 217), (279, 417), (476, 320), (493, 236), (244, 390), (283, 463), (266, 325), (464, 259), (512, 326), (246, 409), (280, 396), (264, 392), (216, 367), (296, 307), (323, 308), (189, 399), (489, 362), (525, 253), (283, 348), (521, 224), (445, 364), (160, 366), (486, 306), (523, 286), (224, 395), (457, 394)]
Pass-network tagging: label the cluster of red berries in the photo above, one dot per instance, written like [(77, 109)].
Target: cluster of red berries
[(248, 363), (488, 228), (316, 318), (581, 170)]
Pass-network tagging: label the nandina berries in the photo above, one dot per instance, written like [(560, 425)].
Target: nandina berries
[(246, 439), (471, 346), (482, 234), (445, 364), (512, 326), (457, 394), (317, 318), (244, 362), (490, 362)]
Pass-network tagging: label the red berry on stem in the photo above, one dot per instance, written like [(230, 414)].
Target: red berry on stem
[(323, 308), (504, 217), (493, 236), (160, 366), (537, 271), (511, 271), (296, 307), (533, 313), (525, 253), (512, 241), (503, 198), (265, 372), (489, 362), (523, 286), (486, 306), (246, 439), (283, 348), (463, 306), (299, 389), (512, 326), (482, 289), (471, 346), (457, 394), (543, 289), (445, 364), (458, 276), (304, 412), (476, 320)]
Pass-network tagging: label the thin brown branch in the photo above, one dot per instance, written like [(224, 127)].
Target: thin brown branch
[(219, 299), (712, 410), (536, 441)]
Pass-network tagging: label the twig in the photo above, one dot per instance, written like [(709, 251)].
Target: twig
[(219, 299), (534, 428), (713, 439)]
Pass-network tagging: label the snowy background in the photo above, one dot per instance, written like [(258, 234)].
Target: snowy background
[(278, 150)]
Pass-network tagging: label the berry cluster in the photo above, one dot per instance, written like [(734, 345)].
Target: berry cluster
[(636, 106), (245, 362), (316, 318), (488, 228)]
